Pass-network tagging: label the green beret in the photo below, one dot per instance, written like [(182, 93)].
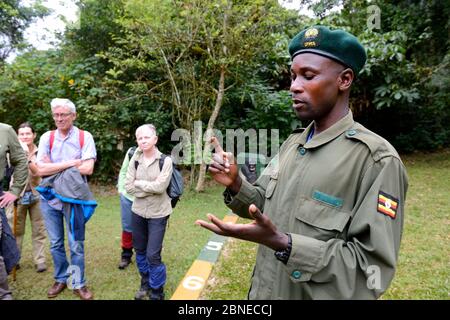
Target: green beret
[(338, 45)]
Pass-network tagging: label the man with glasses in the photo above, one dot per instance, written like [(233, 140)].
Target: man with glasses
[(60, 149)]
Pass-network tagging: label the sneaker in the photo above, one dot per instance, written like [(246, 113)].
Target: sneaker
[(157, 294), (124, 262), (142, 293), (41, 267)]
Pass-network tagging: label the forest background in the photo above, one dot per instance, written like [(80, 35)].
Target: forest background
[(224, 63)]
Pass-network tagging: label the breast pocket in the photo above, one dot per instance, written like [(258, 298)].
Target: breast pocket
[(271, 186), (320, 221)]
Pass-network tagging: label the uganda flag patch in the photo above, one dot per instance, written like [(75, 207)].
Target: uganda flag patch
[(387, 204)]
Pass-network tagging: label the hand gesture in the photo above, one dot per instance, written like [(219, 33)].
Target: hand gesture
[(223, 168), (261, 230)]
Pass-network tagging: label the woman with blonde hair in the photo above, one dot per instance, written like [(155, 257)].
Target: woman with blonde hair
[(151, 208)]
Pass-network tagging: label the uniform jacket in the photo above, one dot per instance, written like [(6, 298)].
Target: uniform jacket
[(148, 184), (341, 197), (71, 188), (9, 143)]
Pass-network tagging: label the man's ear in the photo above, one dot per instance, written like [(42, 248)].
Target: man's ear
[(345, 79)]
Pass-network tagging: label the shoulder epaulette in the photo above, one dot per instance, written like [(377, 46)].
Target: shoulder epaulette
[(378, 146)]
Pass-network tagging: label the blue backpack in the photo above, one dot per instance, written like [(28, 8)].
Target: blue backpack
[(175, 188)]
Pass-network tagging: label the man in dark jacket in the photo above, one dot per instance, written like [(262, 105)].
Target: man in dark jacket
[(9, 254)]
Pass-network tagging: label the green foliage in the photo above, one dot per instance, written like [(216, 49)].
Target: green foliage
[(14, 19), (96, 28), (28, 85)]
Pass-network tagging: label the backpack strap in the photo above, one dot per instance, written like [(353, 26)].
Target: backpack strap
[(80, 138), (52, 139), (161, 161), (131, 152)]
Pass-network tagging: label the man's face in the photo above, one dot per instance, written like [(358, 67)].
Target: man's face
[(63, 117), (314, 85), (146, 138), (26, 135)]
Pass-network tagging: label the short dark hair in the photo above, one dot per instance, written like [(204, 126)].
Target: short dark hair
[(26, 125)]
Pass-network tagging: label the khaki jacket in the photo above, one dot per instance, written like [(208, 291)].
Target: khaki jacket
[(148, 184), (10, 143), (341, 196)]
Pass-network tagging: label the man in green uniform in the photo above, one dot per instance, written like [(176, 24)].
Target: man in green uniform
[(332, 201), (9, 143)]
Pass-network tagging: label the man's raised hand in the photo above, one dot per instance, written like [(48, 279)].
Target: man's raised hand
[(223, 167)]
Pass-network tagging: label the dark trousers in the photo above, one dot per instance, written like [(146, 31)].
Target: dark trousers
[(7, 242), (148, 236)]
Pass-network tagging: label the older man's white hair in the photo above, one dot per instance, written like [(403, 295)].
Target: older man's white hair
[(148, 126), (58, 102)]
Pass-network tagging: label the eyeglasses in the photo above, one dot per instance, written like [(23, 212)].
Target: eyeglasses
[(61, 115)]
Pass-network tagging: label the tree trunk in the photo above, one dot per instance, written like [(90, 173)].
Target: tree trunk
[(219, 100), (192, 176)]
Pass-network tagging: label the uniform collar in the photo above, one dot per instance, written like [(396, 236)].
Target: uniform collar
[(326, 136)]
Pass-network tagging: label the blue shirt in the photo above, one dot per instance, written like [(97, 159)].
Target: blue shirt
[(67, 148), (310, 134)]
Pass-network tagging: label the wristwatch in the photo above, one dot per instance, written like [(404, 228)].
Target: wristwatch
[(283, 255)]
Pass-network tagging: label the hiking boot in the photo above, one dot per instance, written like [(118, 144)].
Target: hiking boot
[(124, 262), (84, 293), (157, 294), (142, 293), (56, 289)]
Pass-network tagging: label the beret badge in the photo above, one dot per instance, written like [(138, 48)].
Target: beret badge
[(310, 40)]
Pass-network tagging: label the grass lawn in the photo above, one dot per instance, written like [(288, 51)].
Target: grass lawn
[(424, 264), (182, 244), (423, 271)]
